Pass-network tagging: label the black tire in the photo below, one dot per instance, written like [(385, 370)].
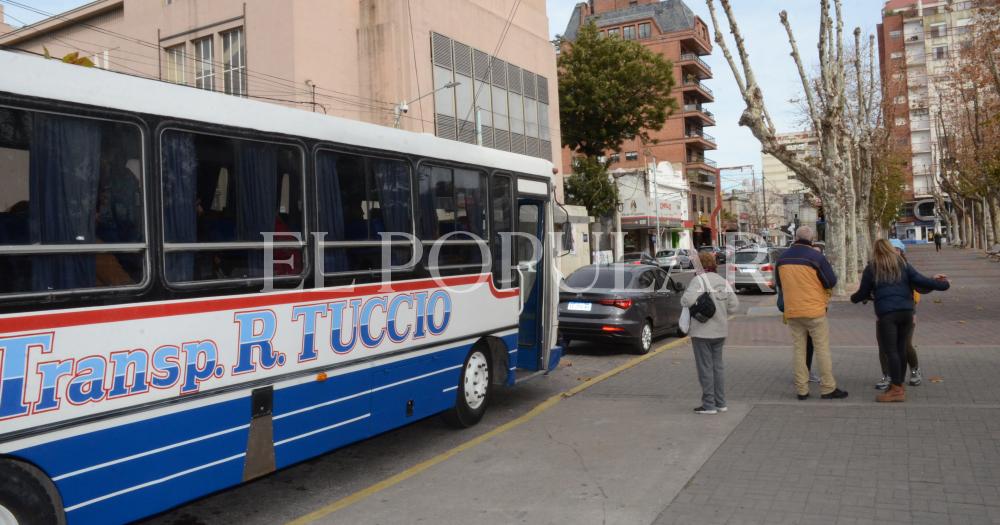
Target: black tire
[(643, 344), (565, 343), (28, 495), (466, 413)]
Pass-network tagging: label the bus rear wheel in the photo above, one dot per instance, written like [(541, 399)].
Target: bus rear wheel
[(27, 497), (473, 394)]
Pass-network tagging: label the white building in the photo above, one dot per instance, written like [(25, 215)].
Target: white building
[(654, 200)]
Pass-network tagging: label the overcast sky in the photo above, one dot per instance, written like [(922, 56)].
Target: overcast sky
[(765, 38)]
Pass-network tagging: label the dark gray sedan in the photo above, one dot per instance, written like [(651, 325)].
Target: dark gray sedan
[(622, 303)]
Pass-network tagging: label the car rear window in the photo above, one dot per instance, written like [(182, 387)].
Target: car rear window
[(750, 257), (600, 278), (665, 253)]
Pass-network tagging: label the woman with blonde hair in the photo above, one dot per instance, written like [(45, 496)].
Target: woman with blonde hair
[(890, 281)]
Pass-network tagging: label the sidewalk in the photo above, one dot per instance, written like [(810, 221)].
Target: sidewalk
[(629, 450)]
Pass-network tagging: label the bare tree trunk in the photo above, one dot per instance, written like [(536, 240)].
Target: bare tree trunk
[(989, 234), (853, 244), (954, 228), (995, 213)]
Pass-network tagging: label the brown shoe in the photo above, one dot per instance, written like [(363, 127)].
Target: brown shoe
[(895, 394)]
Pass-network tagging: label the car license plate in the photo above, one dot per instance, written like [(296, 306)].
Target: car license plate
[(579, 307)]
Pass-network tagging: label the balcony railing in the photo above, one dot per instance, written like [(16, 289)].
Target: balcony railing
[(699, 85), (691, 57), (700, 134), (920, 125), (703, 160)]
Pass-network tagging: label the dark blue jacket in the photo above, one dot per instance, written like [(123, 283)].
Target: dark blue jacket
[(896, 296)]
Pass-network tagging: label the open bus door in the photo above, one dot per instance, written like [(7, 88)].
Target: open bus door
[(536, 350)]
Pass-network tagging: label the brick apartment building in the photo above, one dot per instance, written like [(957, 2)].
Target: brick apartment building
[(671, 29), (917, 39)]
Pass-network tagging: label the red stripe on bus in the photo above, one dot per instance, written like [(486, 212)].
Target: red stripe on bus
[(149, 311)]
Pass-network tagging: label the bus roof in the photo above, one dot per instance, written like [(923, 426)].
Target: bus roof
[(51, 79)]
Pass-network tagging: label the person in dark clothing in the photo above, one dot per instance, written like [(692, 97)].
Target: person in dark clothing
[(937, 241), (890, 280)]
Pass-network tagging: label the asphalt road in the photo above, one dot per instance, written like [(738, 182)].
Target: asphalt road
[(298, 490)]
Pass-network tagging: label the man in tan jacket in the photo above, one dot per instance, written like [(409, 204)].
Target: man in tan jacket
[(805, 280)]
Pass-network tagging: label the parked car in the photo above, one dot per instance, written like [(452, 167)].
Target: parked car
[(753, 269), (671, 259), (619, 303), (637, 258)]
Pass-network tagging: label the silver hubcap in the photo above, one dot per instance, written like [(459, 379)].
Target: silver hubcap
[(647, 336), (477, 380), (7, 517)]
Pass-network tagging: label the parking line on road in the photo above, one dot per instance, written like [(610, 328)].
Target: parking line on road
[(448, 454)]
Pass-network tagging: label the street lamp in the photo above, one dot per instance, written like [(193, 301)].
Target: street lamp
[(404, 106)]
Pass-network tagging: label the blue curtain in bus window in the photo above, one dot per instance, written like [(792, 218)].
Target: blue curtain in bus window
[(428, 206), (331, 217), (393, 215), (257, 197), (180, 188), (65, 168)]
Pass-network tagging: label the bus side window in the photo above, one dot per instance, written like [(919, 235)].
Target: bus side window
[(362, 201), (220, 196), (503, 253), (75, 187), (452, 209)]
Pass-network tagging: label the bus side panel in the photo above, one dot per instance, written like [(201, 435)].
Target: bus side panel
[(332, 413), (179, 456), (428, 381)]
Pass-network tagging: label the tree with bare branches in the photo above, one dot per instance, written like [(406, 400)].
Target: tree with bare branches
[(830, 175)]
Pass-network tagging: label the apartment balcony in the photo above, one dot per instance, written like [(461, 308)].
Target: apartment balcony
[(916, 58), (693, 63), (698, 138), (696, 87), (920, 125), (701, 176), (920, 147), (701, 165), (697, 111)]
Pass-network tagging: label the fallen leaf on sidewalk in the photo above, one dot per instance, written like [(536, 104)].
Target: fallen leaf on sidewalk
[(937, 301), (584, 378), (935, 379), (565, 362), (961, 322)]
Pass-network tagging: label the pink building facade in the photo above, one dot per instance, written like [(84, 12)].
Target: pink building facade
[(495, 85)]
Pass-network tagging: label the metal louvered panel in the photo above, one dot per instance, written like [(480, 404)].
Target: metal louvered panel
[(545, 150), (543, 89), (467, 131), (529, 84), (487, 132), (531, 146), (441, 48), (445, 126), (514, 78), (463, 59), (517, 143), (499, 73), (481, 65), (501, 139)]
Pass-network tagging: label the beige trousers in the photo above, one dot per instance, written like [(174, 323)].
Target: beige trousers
[(818, 328)]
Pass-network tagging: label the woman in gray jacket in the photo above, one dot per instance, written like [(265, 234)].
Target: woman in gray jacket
[(708, 338)]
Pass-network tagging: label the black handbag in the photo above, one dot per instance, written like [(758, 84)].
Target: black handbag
[(703, 308)]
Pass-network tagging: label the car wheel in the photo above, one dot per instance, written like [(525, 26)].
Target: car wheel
[(566, 342), (27, 497), (645, 340), (473, 394)]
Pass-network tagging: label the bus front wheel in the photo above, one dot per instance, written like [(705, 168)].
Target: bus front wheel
[(27, 497), (473, 392)]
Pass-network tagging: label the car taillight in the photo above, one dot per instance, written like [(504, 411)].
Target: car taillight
[(636, 262), (612, 329), (766, 268), (624, 304)]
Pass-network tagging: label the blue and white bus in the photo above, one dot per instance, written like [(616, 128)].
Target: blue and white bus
[(196, 289)]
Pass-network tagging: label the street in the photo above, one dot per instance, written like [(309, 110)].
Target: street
[(629, 449)]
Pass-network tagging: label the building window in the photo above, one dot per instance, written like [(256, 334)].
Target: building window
[(629, 32), (938, 30), (615, 158), (234, 62), (614, 33), (900, 121), (900, 100), (204, 71), (175, 64), (940, 53), (631, 155), (895, 34), (603, 33), (644, 32), (896, 54)]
